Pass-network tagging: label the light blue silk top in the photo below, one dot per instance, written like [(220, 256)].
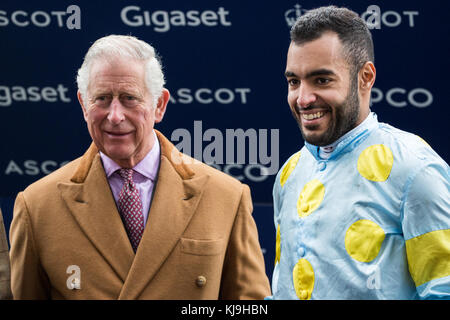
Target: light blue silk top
[(369, 222)]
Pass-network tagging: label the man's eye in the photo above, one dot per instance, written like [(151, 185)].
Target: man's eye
[(293, 82), (101, 98), (323, 80), (129, 100)]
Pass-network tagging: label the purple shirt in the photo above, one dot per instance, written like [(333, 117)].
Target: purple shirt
[(144, 176)]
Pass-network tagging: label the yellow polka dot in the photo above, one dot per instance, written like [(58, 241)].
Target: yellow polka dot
[(363, 240), (288, 168), (375, 162), (303, 277), (310, 198), (277, 246)]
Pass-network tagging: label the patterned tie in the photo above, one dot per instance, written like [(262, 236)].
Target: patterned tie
[(130, 207)]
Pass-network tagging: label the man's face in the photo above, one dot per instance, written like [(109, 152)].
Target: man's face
[(119, 110), (322, 95)]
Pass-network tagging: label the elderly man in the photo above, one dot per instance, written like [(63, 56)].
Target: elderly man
[(362, 211), (5, 287), (133, 218)]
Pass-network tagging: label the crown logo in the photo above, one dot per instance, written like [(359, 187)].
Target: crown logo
[(292, 15)]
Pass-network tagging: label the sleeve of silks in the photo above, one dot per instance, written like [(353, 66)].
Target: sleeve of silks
[(276, 219), (426, 227), (280, 180)]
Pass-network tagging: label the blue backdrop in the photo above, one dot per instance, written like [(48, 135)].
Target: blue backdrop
[(224, 63)]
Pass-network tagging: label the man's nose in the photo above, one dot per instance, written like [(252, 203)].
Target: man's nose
[(116, 111), (306, 96)]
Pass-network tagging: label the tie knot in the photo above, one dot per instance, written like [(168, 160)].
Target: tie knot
[(126, 174)]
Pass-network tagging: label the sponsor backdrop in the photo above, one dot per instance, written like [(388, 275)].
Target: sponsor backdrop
[(224, 64)]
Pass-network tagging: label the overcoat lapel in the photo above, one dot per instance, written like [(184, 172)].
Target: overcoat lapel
[(91, 203), (177, 194)]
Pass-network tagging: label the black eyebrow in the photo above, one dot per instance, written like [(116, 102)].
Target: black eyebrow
[(320, 72), (314, 73), (288, 74)]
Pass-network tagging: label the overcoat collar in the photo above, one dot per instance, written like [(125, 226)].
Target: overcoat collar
[(176, 195)]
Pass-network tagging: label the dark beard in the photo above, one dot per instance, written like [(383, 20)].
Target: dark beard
[(346, 118)]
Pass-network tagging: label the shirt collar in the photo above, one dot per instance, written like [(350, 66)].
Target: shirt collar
[(148, 167), (349, 140)]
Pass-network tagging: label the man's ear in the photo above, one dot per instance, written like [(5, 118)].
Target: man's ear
[(161, 105), (367, 76), (83, 106)]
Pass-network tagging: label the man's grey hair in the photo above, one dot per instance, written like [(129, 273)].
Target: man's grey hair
[(113, 46), (352, 31)]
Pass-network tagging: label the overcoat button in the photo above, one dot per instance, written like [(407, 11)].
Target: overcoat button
[(201, 281)]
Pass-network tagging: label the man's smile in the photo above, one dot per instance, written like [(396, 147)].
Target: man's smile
[(312, 116), (118, 134)]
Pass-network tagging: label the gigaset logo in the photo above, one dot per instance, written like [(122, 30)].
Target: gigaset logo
[(8, 95), (162, 20), (71, 18)]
